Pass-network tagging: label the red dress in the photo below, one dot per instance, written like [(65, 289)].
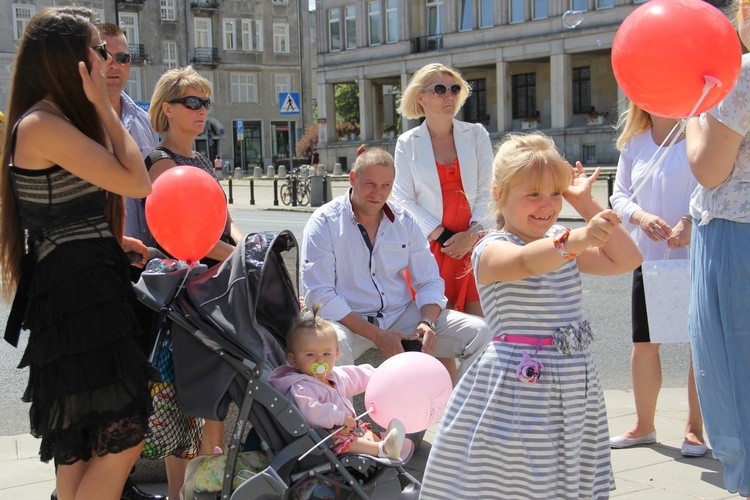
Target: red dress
[(460, 286)]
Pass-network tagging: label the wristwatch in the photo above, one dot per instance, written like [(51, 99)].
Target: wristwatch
[(430, 324)]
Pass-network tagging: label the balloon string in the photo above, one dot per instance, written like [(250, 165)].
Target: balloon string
[(191, 265), (331, 434), (680, 128)]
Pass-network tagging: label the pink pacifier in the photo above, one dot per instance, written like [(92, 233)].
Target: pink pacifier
[(319, 368)]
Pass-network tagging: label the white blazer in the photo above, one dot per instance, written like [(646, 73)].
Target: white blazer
[(417, 184)]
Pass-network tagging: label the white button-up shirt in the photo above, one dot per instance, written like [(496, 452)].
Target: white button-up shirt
[(343, 273)]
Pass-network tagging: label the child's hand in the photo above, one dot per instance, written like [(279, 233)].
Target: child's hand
[(598, 230), (349, 422), (580, 184)]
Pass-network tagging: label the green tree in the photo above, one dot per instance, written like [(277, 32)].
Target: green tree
[(347, 103)]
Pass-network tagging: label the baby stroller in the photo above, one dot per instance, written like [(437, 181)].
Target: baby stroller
[(228, 331)]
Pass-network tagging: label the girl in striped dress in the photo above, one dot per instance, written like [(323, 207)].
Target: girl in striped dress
[(528, 419)]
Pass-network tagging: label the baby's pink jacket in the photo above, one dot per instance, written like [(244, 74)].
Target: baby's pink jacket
[(322, 405)]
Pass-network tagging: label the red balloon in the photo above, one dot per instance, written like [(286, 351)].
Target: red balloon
[(186, 212), (663, 50)]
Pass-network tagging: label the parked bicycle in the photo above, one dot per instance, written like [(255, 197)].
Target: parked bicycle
[(303, 189)]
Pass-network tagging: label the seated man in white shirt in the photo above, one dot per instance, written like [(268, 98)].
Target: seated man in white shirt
[(355, 251)]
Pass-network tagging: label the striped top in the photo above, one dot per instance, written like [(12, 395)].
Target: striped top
[(56, 206), (538, 305), (502, 438)]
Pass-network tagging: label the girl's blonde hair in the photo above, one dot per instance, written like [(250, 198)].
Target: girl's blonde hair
[(524, 157), (303, 325), (410, 108), (172, 85), (632, 122)]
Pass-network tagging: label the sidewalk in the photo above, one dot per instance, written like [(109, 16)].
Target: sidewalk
[(644, 473), (264, 199)]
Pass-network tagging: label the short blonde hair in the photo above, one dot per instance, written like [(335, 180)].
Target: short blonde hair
[(410, 108), (172, 85), (521, 157), (632, 122), (372, 156)]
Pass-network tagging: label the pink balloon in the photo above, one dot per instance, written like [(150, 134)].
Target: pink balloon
[(413, 387), (186, 212)]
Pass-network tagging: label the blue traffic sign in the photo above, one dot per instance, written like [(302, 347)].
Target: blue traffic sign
[(289, 103)]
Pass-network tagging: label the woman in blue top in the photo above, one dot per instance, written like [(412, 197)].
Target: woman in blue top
[(719, 322)]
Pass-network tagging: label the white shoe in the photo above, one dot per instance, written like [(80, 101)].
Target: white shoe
[(625, 442), (394, 439), (693, 450)]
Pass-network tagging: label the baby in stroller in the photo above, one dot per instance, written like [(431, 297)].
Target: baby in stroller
[(320, 390)]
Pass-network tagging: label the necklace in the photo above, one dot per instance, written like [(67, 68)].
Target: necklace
[(441, 136), (56, 108), (53, 105)]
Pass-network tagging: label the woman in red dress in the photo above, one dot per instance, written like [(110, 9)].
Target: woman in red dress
[(443, 173)]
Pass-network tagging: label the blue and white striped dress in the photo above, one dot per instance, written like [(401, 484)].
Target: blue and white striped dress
[(502, 438)]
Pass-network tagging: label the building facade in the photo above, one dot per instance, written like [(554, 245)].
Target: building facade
[(531, 64), (249, 49)]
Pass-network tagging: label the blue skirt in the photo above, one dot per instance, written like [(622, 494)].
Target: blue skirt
[(719, 328)]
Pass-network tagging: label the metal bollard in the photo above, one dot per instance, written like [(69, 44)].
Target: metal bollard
[(325, 189), (294, 189), (275, 190), (610, 189), (252, 190), (231, 199)]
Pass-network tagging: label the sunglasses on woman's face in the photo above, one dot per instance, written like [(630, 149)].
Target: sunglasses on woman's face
[(122, 57), (101, 49), (192, 102), (439, 89)]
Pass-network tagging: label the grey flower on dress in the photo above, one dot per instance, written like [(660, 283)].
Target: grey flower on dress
[(575, 337)]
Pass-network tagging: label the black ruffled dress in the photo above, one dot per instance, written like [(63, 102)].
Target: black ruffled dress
[(88, 379)]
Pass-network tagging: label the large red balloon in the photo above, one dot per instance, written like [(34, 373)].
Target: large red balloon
[(663, 49), (186, 212)]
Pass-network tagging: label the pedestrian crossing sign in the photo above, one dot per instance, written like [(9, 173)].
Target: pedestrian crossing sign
[(289, 103)]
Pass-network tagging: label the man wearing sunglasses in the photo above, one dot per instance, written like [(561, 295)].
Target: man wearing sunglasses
[(135, 119), (137, 122)]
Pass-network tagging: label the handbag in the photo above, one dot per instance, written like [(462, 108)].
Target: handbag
[(170, 431), (666, 284)]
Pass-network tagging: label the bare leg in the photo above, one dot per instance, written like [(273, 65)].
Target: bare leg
[(212, 436), (645, 367), (101, 478), (175, 475), (361, 446), (694, 425), (450, 365), (69, 478)]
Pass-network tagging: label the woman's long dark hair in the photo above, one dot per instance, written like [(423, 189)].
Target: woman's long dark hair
[(46, 64)]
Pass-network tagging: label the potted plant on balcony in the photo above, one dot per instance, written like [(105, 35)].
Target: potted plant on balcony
[(530, 122), (389, 132), (595, 117)]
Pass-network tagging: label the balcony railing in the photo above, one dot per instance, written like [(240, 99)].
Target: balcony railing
[(206, 55), (426, 43), (199, 5), (131, 4), (137, 52)]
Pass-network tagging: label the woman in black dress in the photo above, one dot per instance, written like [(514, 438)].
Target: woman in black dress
[(67, 160)]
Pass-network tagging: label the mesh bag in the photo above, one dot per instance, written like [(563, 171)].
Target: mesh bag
[(171, 432)]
